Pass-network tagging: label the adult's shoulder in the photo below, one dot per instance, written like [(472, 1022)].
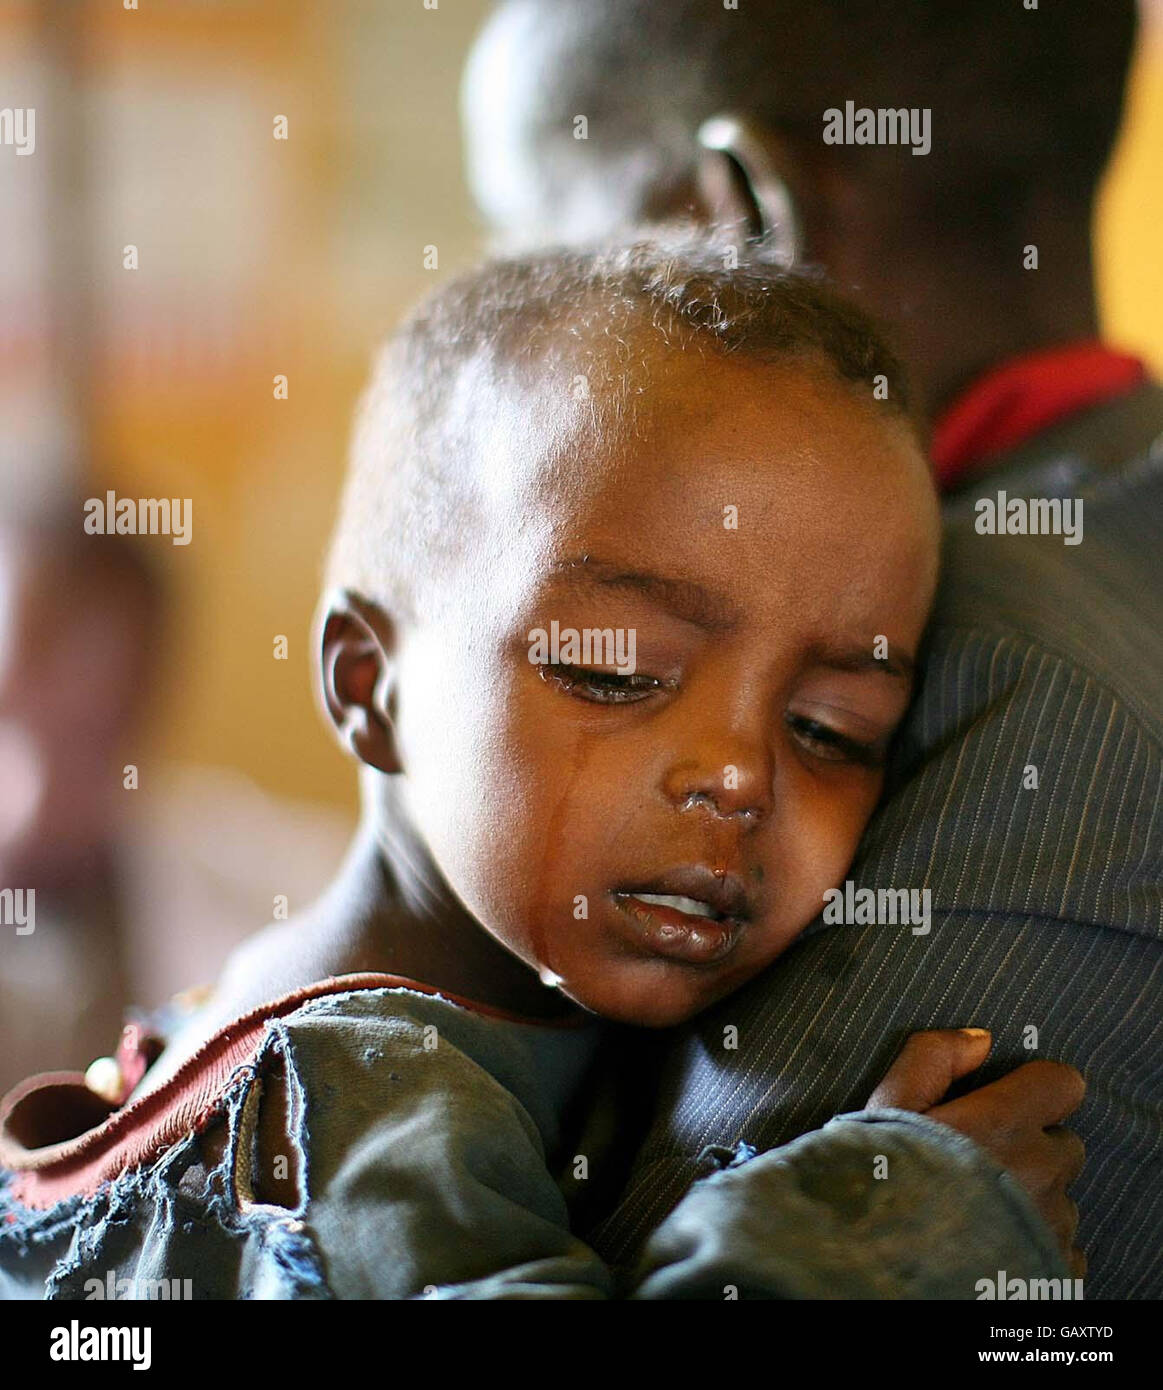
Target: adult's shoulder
[(1029, 776), (1092, 601)]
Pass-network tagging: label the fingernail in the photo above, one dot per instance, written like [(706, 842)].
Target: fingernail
[(974, 1032)]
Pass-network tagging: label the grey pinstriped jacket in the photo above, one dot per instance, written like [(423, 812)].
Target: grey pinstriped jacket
[(1047, 903)]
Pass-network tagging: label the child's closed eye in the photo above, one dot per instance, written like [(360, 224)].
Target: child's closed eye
[(821, 739), (824, 741), (603, 687)]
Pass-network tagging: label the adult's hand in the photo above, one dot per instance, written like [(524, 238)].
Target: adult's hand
[(1017, 1119)]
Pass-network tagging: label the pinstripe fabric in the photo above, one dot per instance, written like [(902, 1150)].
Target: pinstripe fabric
[(1047, 903)]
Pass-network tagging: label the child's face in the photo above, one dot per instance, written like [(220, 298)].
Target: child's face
[(757, 542)]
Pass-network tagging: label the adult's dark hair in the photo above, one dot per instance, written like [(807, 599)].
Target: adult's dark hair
[(1021, 98)]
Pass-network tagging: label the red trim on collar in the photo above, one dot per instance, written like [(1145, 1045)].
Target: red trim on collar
[(1015, 401), (79, 1164)]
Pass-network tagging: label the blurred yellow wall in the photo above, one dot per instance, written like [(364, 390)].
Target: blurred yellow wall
[(368, 178), (1129, 229), (367, 88)]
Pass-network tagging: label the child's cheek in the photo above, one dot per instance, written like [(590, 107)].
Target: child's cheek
[(826, 834), (492, 789)]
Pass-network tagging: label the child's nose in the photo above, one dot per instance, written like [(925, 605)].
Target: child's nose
[(736, 782)]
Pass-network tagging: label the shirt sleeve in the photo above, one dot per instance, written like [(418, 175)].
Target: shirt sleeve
[(423, 1176), (876, 1205)]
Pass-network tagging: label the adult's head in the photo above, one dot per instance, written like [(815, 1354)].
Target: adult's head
[(1024, 106)]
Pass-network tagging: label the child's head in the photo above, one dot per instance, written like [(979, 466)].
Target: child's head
[(712, 473)]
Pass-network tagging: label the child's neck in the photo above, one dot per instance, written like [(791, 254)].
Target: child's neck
[(390, 910), (386, 912)]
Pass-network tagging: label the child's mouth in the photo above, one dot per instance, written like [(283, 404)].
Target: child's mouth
[(699, 926)]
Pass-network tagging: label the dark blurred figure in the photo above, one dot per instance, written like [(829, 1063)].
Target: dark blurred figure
[(146, 873), (80, 622), (1025, 108)]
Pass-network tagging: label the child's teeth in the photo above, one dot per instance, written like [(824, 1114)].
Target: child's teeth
[(688, 905)]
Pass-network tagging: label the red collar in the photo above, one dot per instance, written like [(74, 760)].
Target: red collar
[(1015, 401)]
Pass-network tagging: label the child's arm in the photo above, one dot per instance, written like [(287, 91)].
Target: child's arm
[(420, 1173), (889, 1203), (1018, 1118)]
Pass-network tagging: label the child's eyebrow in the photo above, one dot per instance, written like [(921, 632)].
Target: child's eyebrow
[(858, 659), (682, 597), (713, 611)]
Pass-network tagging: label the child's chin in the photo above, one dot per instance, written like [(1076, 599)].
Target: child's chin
[(645, 1007)]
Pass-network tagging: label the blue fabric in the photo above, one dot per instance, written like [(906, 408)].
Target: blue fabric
[(424, 1137)]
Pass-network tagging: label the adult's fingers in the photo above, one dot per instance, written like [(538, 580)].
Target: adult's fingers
[(1072, 1158), (928, 1065), (1038, 1094)]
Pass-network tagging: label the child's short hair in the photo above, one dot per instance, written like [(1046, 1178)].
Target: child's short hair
[(579, 320)]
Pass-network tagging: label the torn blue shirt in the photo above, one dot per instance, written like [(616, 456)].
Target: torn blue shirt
[(422, 1136)]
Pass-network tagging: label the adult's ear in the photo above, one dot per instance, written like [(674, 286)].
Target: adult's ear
[(356, 642), (746, 175)]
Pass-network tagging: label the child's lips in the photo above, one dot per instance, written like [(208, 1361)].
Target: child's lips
[(692, 914), (678, 935)]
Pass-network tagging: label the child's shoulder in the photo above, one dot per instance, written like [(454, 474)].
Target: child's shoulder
[(377, 1046), (348, 1053)]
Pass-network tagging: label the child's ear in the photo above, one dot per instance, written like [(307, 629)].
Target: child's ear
[(356, 646)]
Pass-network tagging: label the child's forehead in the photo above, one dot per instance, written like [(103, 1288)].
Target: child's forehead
[(717, 462), (716, 432), (627, 407), (602, 429), (621, 385)]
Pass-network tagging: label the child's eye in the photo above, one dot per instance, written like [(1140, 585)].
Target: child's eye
[(833, 746), (601, 687)]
